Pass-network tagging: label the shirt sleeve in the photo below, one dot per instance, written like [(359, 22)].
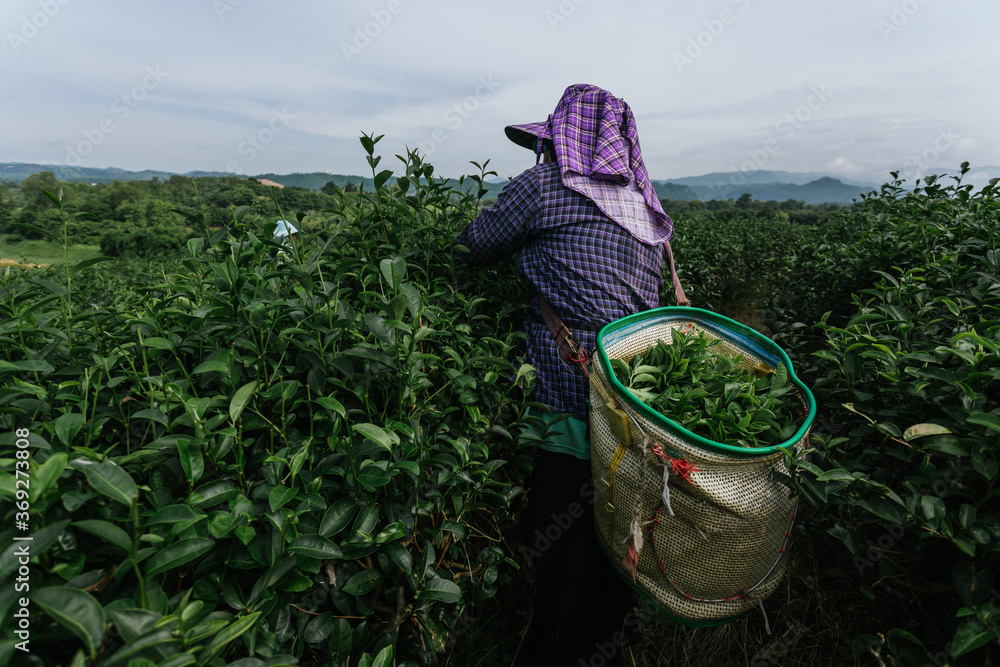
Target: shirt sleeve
[(499, 230)]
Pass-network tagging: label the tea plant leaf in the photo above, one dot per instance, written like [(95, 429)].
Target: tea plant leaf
[(414, 302), (90, 262), (933, 508), (400, 556), (67, 426), (362, 582), (341, 639), (970, 637), (280, 496), (441, 590), (381, 178), (157, 343), (315, 546), (107, 531), (47, 473), (377, 325), (986, 419), (836, 476), (375, 434), (946, 444), (373, 477), (337, 517), (393, 270), (212, 366), (76, 610), (922, 430), (967, 515), (902, 634), (332, 404), (192, 459), (385, 657), (319, 628), (177, 554), (227, 635), (213, 493), (152, 414), (175, 514), (148, 642), (109, 480), (240, 400)]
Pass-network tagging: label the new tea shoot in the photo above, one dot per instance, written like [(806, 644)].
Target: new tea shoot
[(689, 380)]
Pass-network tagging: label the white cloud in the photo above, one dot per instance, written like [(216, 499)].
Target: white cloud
[(758, 63)]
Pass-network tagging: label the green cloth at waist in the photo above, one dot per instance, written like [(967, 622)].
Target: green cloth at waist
[(568, 435)]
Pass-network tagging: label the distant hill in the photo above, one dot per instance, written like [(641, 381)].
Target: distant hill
[(18, 171), (665, 190), (810, 187), (819, 191), (758, 177)]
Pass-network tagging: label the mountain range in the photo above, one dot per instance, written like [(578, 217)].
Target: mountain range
[(809, 187)]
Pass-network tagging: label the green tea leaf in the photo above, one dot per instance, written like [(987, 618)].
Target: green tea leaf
[(315, 546), (177, 554), (970, 637), (227, 635), (76, 610), (67, 426), (362, 582), (157, 343), (986, 419), (240, 400), (110, 480), (376, 434), (441, 590), (107, 531), (280, 496), (921, 430)]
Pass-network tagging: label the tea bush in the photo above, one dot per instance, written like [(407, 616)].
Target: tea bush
[(723, 260), (262, 454), (905, 462)]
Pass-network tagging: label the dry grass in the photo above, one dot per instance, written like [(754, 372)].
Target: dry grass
[(814, 616)]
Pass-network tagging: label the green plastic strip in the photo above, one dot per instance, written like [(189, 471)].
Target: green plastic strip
[(720, 325)]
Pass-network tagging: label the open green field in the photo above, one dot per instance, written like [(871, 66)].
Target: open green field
[(41, 251), (247, 455)]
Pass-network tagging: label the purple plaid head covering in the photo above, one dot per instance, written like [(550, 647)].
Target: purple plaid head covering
[(597, 148)]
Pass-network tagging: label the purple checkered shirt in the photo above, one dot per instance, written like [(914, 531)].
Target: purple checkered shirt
[(590, 269)]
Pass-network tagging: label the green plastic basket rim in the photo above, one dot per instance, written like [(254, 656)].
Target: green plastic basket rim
[(726, 328)]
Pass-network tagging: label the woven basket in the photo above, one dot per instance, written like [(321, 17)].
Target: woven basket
[(722, 551)]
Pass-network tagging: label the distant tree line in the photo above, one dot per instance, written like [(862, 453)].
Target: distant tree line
[(142, 218), (791, 210)]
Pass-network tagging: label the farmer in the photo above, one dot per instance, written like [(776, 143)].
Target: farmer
[(590, 234)]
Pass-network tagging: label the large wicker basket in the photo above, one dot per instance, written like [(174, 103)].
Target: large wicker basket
[(722, 550)]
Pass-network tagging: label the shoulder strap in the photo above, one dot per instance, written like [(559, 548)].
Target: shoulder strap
[(679, 295), (570, 350)]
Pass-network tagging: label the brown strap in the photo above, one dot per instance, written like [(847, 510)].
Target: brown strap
[(679, 295), (570, 350)]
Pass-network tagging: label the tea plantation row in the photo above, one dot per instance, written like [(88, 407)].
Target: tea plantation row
[(262, 455)]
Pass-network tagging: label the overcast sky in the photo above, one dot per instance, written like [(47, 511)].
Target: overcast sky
[(855, 88)]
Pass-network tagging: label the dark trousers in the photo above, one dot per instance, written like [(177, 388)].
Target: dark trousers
[(580, 602)]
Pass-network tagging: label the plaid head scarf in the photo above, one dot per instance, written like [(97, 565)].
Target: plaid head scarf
[(597, 148)]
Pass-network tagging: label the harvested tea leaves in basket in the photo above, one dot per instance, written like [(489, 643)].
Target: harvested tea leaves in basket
[(709, 393)]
